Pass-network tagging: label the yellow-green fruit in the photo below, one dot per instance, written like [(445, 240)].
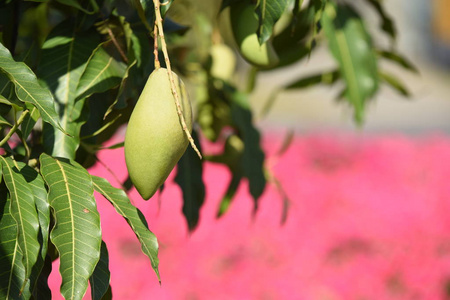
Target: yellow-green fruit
[(155, 140), (223, 62), (244, 23)]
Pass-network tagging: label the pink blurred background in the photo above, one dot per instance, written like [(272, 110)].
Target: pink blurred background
[(368, 219)]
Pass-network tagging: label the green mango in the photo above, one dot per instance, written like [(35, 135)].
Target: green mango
[(244, 24), (155, 140), (223, 62)]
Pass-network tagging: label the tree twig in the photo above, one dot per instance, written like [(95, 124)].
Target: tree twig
[(14, 128), (158, 22)]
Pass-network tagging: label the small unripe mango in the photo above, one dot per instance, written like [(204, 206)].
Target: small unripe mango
[(155, 140), (223, 62), (244, 23)]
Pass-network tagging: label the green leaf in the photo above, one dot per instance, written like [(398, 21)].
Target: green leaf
[(28, 88), (100, 278), (229, 194), (352, 48), (269, 12), (189, 178), (4, 122), (119, 199), (64, 57), (387, 24), (29, 121), (42, 290), (328, 78), (253, 156), (102, 73), (12, 271), (37, 186), (76, 234), (398, 59), (121, 89), (394, 83), (77, 5), (24, 212)]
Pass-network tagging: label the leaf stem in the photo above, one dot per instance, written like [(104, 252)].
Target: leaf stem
[(14, 128), (158, 22)]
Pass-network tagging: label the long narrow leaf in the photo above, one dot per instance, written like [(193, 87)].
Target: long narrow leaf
[(28, 88), (100, 278), (23, 210), (189, 178), (253, 156), (12, 271), (37, 186), (118, 198), (77, 233), (352, 48)]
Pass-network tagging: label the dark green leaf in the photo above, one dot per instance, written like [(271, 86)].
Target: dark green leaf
[(398, 59), (229, 194), (64, 57), (352, 48), (42, 290), (328, 78), (119, 199), (28, 88), (253, 156), (100, 278), (12, 271), (269, 12), (77, 233), (24, 212), (394, 83), (387, 25), (189, 178), (102, 73), (77, 5), (123, 82), (29, 121)]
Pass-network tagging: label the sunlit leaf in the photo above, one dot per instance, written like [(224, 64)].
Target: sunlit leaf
[(77, 233), (37, 186), (189, 178), (28, 88), (352, 48), (119, 199)]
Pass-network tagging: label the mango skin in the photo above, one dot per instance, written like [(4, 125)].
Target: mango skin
[(155, 140), (244, 23)]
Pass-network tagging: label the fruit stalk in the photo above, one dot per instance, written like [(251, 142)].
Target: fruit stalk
[(158, 21)]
